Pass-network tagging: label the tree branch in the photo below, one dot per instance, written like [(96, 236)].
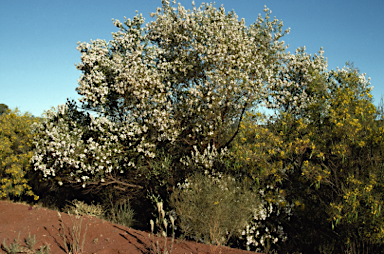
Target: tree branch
[(238, 127)]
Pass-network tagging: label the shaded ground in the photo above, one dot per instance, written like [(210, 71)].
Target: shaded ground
[(101, 237)]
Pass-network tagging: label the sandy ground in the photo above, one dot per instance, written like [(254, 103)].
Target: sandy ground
[(101, 236)]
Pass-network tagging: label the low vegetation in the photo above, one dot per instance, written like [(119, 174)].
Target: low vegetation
[(29, 246)]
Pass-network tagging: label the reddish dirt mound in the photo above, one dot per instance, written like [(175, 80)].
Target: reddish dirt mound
[(101, 237)]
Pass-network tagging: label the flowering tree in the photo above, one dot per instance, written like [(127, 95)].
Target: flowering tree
[(299, 84), (178, 82)]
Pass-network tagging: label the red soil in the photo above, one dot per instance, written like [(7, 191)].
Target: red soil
[(101, 236)]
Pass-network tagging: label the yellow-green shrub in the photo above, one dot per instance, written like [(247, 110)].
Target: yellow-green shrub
[(327, 160), (15, 153)]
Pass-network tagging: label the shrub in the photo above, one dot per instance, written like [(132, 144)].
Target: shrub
[(15, 154), (213, 207), (80, 208), (121, 213), (326, 160)]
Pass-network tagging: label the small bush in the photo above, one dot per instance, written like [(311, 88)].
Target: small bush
[(121, 213), (81, 208), (213, 207), (15, 154), (30, 242)]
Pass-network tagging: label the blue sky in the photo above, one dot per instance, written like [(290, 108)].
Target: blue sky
[(39, 38)]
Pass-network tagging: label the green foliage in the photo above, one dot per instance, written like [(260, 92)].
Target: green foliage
[(15, 154), (213, 207), (121, 213), (30, 242), (3, 108), (327, 160), (14, 247), (355, 160)]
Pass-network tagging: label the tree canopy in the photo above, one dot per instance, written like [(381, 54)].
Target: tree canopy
[(181, 81)]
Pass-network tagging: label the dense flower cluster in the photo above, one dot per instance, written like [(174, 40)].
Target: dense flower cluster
[(207, 159), (260, 233), (293, 88), (183, 79), (63, 146)]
